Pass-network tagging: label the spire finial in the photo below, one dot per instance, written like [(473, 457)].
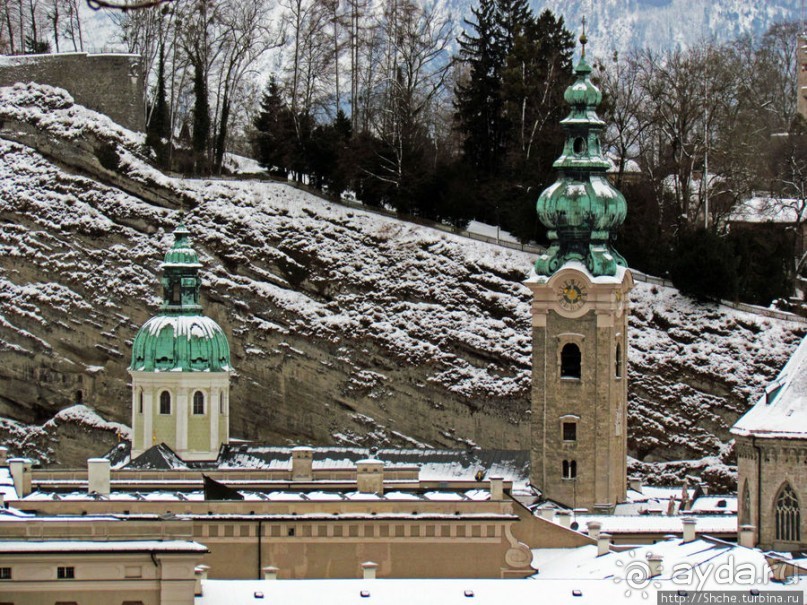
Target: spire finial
[(584, 38)]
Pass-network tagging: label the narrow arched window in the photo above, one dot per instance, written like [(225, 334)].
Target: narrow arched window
[(788, 516), (745, 517), (573, 469), (198, 403), (618, 361), (569, 469), (165, 402), (140, 402), (570, 361), (176, 294)]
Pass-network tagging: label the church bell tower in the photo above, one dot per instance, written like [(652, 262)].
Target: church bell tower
[(579, 320)]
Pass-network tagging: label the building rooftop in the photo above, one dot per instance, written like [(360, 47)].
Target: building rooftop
[(781, 412)]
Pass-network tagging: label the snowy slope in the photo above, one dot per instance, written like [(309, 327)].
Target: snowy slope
[(346, 327)]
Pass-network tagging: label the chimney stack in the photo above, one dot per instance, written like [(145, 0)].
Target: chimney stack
[(370, 476), (369, 570), (547, 513), (302, 464), (496, 488), (270, 572), (3, 455), (747, 536), (200, 571), (98, 476), (594, 528), (654, 564), (603, 544), (21, 475), (564, 517), (635, 483), (689, 529)]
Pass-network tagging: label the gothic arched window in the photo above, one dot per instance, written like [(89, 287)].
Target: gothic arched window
[(618, 361), (570, 360), (788, 516), (198, 403), (165, 402)]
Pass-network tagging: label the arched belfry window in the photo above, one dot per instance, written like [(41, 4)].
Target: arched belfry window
[(198, 403), (570, 361), (618, 361), (745, 518), (165, 402), (788, 516)]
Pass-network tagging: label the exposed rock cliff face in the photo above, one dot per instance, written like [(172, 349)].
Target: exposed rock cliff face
[(345, 327)]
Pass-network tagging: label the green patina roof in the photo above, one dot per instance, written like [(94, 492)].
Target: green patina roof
[(180, 338), (581, 210)]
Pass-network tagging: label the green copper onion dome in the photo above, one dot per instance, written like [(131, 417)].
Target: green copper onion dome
[(180, 338), (581, 210)]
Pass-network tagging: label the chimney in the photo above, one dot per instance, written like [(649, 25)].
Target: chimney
[(635, 483), (270, 572), (21, 474), (689, 529), (98, 476), (302, 464), (370, 476), (369, 570), (547, 513), (603, 544), (594, 528), (654, 564), (200, 571), (496, 488), (563, 517), (746, 536), (3, 455)]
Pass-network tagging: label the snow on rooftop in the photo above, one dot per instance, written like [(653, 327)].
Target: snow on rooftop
[(768, 210), (79, 546), (658, 524), (781, 412)]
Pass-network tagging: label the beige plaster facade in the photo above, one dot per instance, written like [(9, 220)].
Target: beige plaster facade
[(301, 530), (191, 434), (579, 415), (103, 577)]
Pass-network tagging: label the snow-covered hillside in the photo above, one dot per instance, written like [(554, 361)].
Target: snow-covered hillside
[(346, 327)]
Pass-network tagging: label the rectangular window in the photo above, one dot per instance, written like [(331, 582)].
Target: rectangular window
[(570, 431), (5, 573), (65, 573)]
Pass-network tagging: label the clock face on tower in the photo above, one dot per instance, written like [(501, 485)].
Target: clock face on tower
[(572, 295)]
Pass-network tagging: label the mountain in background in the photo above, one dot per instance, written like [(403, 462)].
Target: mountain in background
[(659, 24)]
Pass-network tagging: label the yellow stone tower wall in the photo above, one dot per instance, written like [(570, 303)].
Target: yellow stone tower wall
[(596, 402)]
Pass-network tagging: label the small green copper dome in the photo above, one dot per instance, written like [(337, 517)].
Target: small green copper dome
[(581, 210), (180, 343), (180, 338)]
